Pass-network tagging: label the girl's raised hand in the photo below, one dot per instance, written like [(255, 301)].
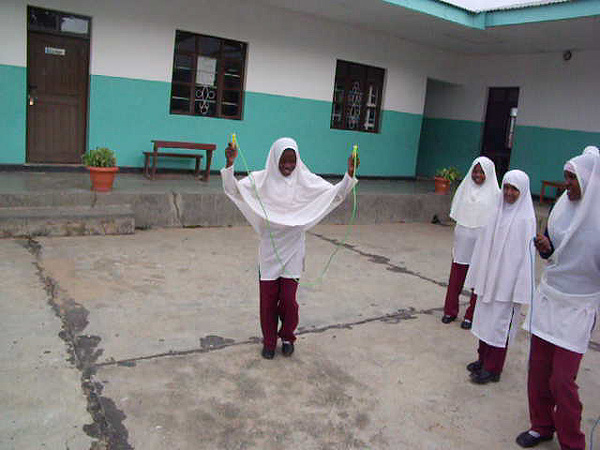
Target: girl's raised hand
[(230, 154), (351, 164)]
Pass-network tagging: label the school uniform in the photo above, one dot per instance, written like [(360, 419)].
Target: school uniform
[(565, 308), (281, 209), (501, 274), (472, 207)]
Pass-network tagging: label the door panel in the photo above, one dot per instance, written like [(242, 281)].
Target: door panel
[(57, 98), (499, 126)]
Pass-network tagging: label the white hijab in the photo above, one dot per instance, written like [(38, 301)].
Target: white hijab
[(501, 266), (473, 204), (298, 200), (574, 229)]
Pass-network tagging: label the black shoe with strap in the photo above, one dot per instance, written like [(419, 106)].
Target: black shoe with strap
[(448, 319), (267, 353), (466, 324), (475, 366), (528, 440), (484, 377), (287, 348)]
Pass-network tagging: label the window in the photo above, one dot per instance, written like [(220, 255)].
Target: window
[(208, 76), (357, 97), (57, 22)]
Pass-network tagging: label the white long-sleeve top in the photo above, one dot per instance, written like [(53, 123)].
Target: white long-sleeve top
[(282, 247)]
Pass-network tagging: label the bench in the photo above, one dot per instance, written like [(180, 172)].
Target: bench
[(150, 170), (559, 185)]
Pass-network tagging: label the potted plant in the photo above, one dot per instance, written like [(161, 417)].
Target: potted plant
[(444, 178), (102, 164)]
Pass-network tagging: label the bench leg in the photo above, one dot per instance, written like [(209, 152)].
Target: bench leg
[(197, 171), (154, 158), (208, 161), (146, 166)]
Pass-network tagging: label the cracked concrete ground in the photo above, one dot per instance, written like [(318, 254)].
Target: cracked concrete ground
[(151, 341)]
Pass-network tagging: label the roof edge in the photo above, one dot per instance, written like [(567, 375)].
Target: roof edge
[(503, 17)]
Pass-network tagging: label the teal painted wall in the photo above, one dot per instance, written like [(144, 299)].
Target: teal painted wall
[(127, 114), (12, 114), (446, 142), (540, 152)]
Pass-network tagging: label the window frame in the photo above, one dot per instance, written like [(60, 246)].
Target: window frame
[(371, 76), (58, 16), (223, 63)]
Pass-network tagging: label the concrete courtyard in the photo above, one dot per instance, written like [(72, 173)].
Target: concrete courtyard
[(151, 341)]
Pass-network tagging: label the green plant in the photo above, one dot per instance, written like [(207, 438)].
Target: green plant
[(449, 173), (100, 157)]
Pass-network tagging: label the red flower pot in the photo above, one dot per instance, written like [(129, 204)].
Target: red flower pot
[(442, 186), (102, 178)]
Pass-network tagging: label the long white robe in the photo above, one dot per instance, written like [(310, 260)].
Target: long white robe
[(501, 270), (281, 209), (567, 301), (464, 243)]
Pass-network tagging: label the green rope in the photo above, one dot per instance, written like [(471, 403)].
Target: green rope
[(338, 245)]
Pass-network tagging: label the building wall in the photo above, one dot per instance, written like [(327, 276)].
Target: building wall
[(290, 73), (558, 111), (289, 85)]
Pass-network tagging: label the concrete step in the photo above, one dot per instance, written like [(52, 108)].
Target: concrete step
[(66, 220)]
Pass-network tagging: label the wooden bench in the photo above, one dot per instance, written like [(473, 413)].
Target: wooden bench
[(150, 171), (559, 185)]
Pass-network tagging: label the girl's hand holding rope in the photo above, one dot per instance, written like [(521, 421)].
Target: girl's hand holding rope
[(542, 244), (230, 154), (353, 164)]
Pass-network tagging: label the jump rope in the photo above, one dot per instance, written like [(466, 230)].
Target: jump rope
[(319, 279), (347, 234), (532, 265)]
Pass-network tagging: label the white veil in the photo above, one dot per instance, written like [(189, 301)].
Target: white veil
[(301, 199), (494, 273), (473, 205), (574, 229)]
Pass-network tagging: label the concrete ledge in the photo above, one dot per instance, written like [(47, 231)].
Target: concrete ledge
[(66, 221), (213, 208)]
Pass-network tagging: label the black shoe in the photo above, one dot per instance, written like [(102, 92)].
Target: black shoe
[(474, 367), (484, 377), (448, 319), (466, 324), (287, 348), (527, 440), (268, 354)]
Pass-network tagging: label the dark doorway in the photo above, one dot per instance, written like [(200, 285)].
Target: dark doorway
[(57, 85), (499, 126)]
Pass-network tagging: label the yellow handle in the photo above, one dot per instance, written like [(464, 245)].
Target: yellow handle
[(355, 150), (234, 140)]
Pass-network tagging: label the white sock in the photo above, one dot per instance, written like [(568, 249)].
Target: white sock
[(535, 434)]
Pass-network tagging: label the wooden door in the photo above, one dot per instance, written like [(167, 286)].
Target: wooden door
[(499, 126), (57, 79)]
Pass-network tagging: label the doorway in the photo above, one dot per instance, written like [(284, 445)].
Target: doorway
[(58, 53), (499, 128)]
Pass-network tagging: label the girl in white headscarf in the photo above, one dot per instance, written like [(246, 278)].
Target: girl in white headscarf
[(565, 306), (472, 207), (501, 273), (281, 203)]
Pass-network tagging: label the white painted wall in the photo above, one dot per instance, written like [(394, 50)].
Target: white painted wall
[(289, 54), (294, 55), (13, 33), (553, 93)]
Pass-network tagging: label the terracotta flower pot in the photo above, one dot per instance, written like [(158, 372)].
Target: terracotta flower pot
[(102, 178), (442, 186)]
